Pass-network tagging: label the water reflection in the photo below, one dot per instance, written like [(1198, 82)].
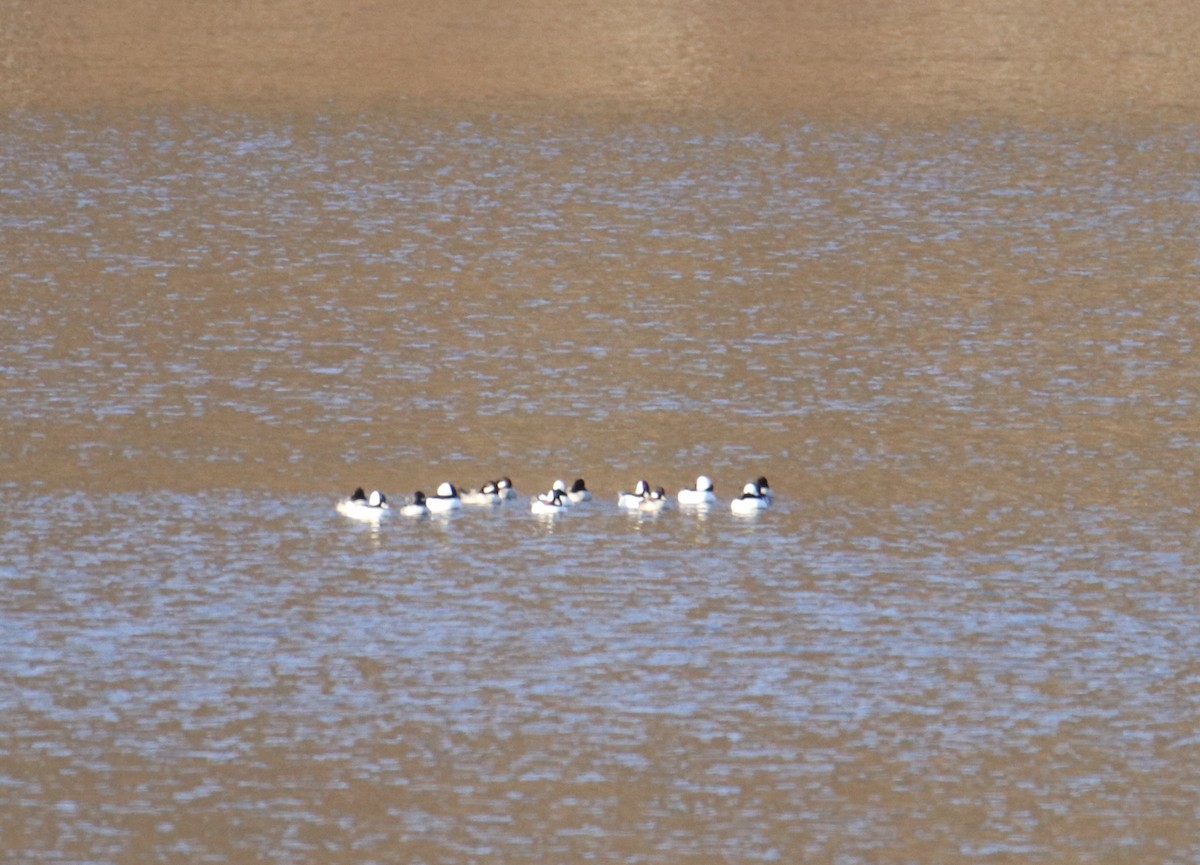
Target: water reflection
[(568, 656)]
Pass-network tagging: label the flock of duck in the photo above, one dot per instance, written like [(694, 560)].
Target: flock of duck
[(756, 496)]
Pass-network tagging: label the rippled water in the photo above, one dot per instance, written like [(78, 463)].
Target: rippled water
[(966, 630)]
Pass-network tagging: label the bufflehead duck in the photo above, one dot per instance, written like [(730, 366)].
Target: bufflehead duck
[(750, 501), (414, 506), (764, 489), (505, 487), (655, 500), (579, 492), (632, 501), (702, 494), (488, 494), (446, 500), (360, 506), (553, 502), (559, 486)]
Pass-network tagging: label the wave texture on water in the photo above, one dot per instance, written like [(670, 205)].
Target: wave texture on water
[(183, 680), (963, 356)]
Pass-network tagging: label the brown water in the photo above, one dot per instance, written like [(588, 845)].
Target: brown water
[(932, 271)]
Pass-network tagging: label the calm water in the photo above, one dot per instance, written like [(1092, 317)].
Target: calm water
[(967, 631)]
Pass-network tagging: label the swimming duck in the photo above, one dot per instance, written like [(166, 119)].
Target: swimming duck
[(702, 494), (446, 500), (559, 486), (579, 492), (750, 501), (553, 502), (414, 506), (360, 506), (488, 494), (632, 501), (655, 500), (764, 489)]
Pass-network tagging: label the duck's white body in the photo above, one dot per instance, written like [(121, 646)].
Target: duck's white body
[(446, 500), (633, 501), (700, 496), (488, 494), (750, 501), (360, 506), (415, 506), (549, 503)]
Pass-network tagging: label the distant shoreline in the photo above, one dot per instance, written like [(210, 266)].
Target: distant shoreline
[(917, 62)]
